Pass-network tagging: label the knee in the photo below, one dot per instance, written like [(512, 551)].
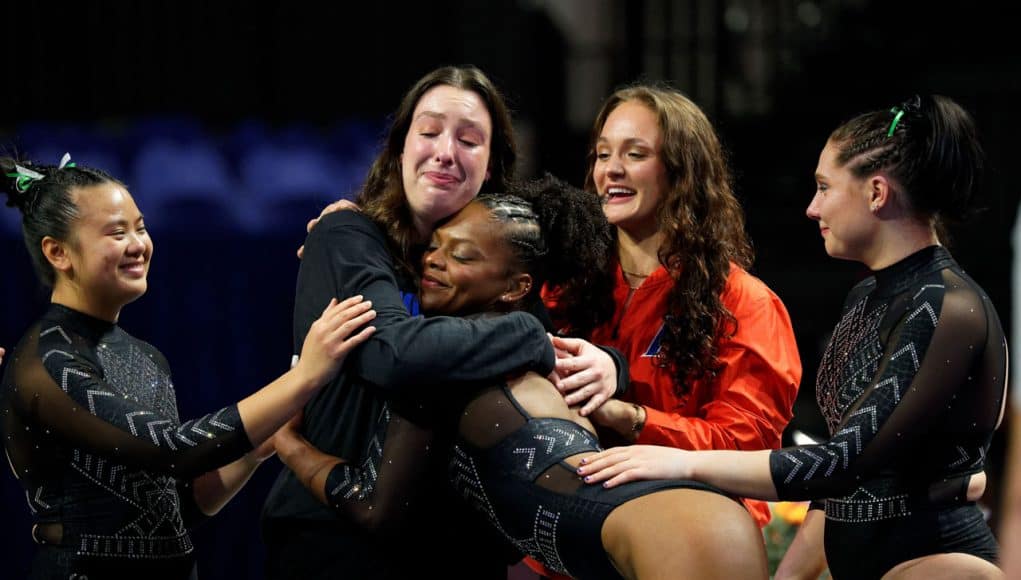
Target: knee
[(954, 566)]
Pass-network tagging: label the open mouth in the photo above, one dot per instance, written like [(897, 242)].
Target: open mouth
[(617, 193)]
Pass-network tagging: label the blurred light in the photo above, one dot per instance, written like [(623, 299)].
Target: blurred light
[(736, 18), (809, 14), (801, 438)]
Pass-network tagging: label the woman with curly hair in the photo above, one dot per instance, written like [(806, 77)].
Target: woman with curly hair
[(913, 382), (712, 355)]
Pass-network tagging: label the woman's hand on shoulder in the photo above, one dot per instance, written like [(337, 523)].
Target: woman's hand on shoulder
[(584, 373), (339, 205), (330, 338), (618, 465)]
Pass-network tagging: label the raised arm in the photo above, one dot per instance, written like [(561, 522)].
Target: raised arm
[(345, 255), (60, 389)]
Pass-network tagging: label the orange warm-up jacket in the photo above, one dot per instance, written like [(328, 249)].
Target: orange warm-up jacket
[(748, 404)]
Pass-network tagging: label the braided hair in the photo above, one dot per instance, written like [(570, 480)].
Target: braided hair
[(46, 205), (928, 145), (561, 237)]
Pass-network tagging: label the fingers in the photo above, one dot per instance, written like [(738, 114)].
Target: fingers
[(359, 338), (578, 380), (311, 224), (571, 345), (593, 403), (553, 377), (342, 333), (349, 302), (301, 251), (333, 302), (340, 319), (611, 467), (337, 313), (566, 366)]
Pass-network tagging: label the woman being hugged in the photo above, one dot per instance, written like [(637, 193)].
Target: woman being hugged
[(913, 381), (113, 477), (451, 137), (518, 440)]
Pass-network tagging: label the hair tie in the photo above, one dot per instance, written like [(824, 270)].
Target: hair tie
[(24, 177), (64, 161), (898, 114)]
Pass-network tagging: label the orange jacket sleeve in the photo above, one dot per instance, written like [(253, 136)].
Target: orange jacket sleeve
[(751, 401)]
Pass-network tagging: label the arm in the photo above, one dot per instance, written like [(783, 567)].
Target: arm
[(752, 398), (375, 494), (345, 255), (805, 558), (211, 491), (743, 473), (894, 414), (588, 374), (64, 392)]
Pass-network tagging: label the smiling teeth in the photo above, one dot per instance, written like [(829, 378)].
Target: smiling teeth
[(619, 191)]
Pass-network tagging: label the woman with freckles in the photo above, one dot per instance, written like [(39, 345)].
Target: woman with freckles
[(913, 381)]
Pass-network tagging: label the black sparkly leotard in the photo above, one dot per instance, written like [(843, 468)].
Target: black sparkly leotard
[(912, 386), (92, 432), (511, 467)]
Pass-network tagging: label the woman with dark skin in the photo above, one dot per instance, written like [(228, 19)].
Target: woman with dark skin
[(113, 477), (451, 138), (491, 258), (913, 381)]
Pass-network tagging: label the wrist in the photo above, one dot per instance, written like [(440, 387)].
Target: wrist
[(638, 416), (303, 381), (638, 422), (688, 464), (288, 447)]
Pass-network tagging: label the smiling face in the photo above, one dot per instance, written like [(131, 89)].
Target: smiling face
[(628, 170), (841, 207), (106, 259), (468, 267), (446, 154)]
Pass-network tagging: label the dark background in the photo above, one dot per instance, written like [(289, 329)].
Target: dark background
[(775, 77)]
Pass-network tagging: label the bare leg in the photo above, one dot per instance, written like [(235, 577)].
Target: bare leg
[(954, 566), (684, 533)]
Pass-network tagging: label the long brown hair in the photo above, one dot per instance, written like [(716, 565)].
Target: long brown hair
[(704, 230), (383, 197)]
